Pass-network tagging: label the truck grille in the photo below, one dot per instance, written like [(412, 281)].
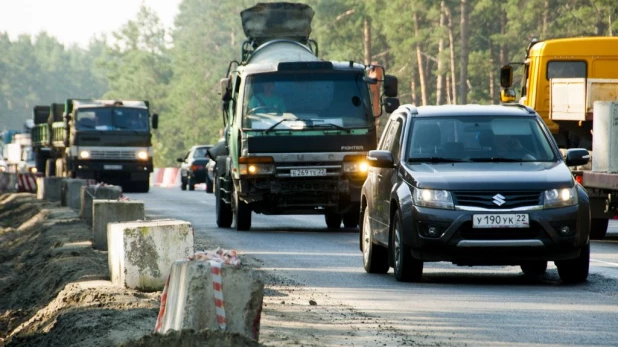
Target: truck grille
[(488, 199), (113, 155)]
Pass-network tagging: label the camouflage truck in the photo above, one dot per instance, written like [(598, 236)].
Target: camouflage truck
[(106, 140)]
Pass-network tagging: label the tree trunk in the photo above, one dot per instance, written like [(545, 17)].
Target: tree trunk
[(463, 69), (492, 78), (448, 89), (440, 76), (413, 94), (367, 39), (504, 51), (419, 61), (545, 19), (451, 43)]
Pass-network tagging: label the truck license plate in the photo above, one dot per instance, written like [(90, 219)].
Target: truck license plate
[(112, 167), (307, 172), (518, 220)]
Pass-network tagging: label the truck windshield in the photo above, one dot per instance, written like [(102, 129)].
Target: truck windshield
[(323, 99), (478, 138), (112, 118)]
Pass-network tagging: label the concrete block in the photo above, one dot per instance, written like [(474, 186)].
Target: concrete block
[(8, 182), (71, 192), (141, 254), (90, 193), (112, 211), (49, 188), (191, 303)]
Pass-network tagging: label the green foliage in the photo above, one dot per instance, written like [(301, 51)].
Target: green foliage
[(179, 71)]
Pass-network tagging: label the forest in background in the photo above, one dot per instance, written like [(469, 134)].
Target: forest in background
[(447, 51)]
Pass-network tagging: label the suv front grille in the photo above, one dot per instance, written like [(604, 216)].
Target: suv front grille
[(498, 199)]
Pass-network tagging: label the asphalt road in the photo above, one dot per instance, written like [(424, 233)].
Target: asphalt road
[(474, 306)]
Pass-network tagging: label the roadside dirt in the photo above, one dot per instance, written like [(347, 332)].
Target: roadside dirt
[(55, 291)]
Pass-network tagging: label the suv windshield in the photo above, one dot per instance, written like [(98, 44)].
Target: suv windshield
[(478, 138), (298, 101), (112, 118)]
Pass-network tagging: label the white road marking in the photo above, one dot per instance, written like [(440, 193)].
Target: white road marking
[(604, 262)]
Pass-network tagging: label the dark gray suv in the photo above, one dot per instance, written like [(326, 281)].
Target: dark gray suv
[(473, 185)]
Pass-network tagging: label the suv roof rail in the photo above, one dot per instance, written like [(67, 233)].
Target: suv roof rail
[(522, 106)]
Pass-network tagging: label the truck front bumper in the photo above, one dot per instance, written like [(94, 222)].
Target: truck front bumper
[(135, 170)]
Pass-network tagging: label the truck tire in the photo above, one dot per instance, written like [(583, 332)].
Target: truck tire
[(142, 186), (242, 214), (598, 228), (50, 167), (333, 220), (183, 184), (191, 183), (350, 218), (575, 270), (224, 211)]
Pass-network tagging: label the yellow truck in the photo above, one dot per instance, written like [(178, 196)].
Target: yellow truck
[(568, 81)]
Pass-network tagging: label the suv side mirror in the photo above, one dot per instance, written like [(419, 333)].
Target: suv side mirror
[(155, 120), (381, 159), (576, 157)]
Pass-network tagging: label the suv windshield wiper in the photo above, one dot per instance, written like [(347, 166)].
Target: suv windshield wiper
[(436, 160), (495, 160)]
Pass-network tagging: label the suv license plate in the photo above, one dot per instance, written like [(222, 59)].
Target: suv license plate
[(518, 220), (112, 167), (307, 172)]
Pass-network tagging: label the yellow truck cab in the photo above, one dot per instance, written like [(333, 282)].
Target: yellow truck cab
[(565, 80)]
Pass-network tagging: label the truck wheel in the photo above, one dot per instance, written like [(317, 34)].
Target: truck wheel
[(191, 183), (350, 218), (534, 268), (183, 184), (598, 228), (224, 211), (142, 186), (50, 168), (333, 220), (209, 186), (575, 270), (242, 214)]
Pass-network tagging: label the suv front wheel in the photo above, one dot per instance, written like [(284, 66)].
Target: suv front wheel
[(575, 270), (407, 269), (375, 257)]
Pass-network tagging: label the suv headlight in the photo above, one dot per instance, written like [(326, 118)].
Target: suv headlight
[(433, 198), (563, 197)]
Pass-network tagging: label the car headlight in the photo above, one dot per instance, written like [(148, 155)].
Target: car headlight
[(433, 198), (84, 154), (563, 197), (142, 155)]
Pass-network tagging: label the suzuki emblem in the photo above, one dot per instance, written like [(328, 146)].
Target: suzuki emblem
[(499, 199)]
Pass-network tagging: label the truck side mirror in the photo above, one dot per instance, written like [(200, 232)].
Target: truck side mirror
[(391, 86), (390, 104), (155, 120), (506, 76)]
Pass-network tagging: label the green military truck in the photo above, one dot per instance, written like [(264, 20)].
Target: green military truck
[(297, 128), (106, 140)]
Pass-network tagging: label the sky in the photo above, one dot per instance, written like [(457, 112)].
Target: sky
[(76, 21)]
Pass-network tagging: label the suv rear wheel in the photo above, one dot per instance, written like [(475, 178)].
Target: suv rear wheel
[(333, 220), (598, 228), (575, 270), (407, 269), (534, 268), (350, 218)]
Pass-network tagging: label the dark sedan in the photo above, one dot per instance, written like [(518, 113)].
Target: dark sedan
[(193, 168), (473, 185)]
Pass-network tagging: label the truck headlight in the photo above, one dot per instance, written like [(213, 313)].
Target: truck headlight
[(355, 164), (563, 197), (256, 165), (33, 170), (433, 198), (84, 155), (142, 155)]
